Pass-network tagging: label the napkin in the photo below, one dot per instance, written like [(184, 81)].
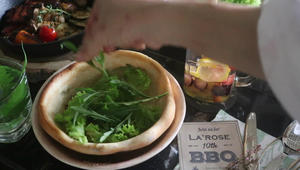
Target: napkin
[(271, 154)]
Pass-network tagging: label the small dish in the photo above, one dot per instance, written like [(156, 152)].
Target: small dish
[(38, 50), (118, 160)]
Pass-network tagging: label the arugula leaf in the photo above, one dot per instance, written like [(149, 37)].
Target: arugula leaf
[(92, 95), (122, 111), (91, 113), (100, 59), (108, 133), (143, 100), (69, 45), (128, 87), (75, 118)]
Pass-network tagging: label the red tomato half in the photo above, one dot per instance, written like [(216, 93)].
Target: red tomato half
[(47, 34)]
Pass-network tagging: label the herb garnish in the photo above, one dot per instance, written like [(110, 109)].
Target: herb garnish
[(245, 2), (114, 109), (49, 8), (8, 75)]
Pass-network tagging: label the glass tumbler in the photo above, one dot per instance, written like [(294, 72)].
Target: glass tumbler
[(15, 102), (210, 85)]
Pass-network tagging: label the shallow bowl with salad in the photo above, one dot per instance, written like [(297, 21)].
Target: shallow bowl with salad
[(122, 101)]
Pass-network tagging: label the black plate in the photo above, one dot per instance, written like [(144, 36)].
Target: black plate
[(43, 50)]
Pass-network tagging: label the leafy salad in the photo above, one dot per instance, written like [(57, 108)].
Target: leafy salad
[(114, 109)]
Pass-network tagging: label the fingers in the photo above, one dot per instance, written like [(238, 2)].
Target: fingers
[(105, 32), (88, 49), (86, 54), (90, 46), (108, 49), (139, 45), (154, 46)]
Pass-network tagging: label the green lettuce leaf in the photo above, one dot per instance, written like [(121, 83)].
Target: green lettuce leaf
[(77, 131), (93, 133)]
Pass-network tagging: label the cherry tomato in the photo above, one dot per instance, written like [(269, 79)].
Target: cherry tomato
[(47, 34)]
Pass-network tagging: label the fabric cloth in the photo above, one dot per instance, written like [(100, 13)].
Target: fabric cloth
[(279, 46)]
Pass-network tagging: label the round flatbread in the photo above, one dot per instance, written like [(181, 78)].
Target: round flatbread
[(61, 88)]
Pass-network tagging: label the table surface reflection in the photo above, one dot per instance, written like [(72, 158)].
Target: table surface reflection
[(271, 118)]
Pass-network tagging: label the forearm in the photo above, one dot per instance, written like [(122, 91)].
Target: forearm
[(234, 41), (226, 33), (223, 32)]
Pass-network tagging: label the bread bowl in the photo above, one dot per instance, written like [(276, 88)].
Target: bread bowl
[(61, 88)]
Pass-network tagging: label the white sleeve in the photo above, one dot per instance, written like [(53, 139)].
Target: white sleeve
[(279, 46)]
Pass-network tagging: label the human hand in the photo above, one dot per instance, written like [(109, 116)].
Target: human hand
[(115, 23), (137, 23)]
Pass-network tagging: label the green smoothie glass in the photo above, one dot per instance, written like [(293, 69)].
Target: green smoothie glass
[(15, 102)]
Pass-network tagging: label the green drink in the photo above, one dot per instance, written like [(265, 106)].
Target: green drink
[(15, 102)]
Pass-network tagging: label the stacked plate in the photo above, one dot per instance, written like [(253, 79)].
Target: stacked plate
[(62, 148)]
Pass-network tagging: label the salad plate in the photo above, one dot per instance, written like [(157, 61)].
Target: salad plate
[(113, 161), (101, 119)]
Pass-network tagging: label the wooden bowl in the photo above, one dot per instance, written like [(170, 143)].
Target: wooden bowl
[(59, 90)]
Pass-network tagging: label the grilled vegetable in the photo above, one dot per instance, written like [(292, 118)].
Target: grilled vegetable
[(25, 37)]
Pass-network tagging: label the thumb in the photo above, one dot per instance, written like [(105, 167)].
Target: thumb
[(88, 50), (85, 54)]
